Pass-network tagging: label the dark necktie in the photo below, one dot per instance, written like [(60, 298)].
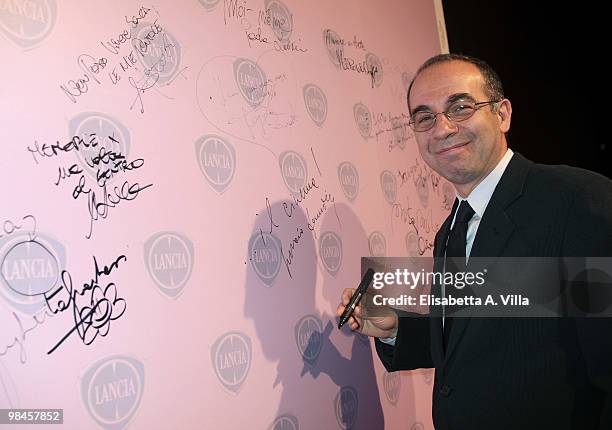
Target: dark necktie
[(454, 260)]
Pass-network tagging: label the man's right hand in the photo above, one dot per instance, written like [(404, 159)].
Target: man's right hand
[(383, 326)]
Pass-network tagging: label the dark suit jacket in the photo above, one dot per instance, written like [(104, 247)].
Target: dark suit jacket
[(523, 373)]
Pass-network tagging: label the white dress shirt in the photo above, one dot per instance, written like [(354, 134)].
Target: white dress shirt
[(478, 199)]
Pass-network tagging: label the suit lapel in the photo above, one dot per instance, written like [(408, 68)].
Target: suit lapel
[(494, 230)]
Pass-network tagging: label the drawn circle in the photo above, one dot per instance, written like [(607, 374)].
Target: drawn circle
[(41, 249)]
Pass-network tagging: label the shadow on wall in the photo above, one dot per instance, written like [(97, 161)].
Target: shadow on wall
[(322, 387)]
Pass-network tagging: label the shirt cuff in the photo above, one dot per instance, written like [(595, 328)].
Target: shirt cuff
[(388, 340)]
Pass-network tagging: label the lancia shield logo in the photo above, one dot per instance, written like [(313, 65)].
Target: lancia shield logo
[(101, 134), (265, 256), (251, 81), (308, 332), (169, 259), (231, 357), (279, 19), (27, 23), (285, 422), (159, 54), (392, 383), (111, 390), (293, 170), (363, 119), (330, 250), (375, 68), (29, 267), (388, 185), (349, 180), (217, 161), (347, 407), (377, 244), (316, 103)]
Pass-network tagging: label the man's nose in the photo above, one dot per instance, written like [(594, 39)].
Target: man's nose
[(443, 126)]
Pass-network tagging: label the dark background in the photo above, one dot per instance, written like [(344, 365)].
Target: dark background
[(549, 58)]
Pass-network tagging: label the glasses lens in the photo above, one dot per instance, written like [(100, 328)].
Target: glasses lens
[(461, 111), (422, 121)]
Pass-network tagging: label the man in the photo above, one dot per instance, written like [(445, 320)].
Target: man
[(502, 373)]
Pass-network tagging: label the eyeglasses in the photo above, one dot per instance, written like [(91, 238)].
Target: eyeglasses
[(458, 111)]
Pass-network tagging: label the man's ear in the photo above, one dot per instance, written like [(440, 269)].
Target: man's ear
[(504, 110)]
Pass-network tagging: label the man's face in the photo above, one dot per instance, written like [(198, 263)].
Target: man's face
[(462, 152)]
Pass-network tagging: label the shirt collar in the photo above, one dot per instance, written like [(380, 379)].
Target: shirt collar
[(480, 196)]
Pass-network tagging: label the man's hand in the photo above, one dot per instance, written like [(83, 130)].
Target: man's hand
[(379, 326)]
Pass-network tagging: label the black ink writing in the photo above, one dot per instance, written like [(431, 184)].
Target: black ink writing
[(101, 303), (288, 46), (288, 260), (100, 209), (234, 9)]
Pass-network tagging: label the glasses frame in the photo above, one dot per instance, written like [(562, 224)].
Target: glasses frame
[(477, 106)]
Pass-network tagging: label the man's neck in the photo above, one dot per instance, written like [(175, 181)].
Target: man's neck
[(464, 190)]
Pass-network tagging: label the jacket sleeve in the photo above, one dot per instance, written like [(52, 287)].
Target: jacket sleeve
[(412, 348)]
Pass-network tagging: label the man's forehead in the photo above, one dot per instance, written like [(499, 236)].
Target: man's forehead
[(440, 82)]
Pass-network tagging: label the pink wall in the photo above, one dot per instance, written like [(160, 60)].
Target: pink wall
[(228, 173)]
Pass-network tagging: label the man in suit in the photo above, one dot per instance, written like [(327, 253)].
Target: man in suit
[(502, 373)]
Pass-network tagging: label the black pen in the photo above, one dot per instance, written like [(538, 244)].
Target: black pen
[(360, 291)]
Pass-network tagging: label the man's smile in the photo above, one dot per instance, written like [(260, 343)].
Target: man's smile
[(451, 149)]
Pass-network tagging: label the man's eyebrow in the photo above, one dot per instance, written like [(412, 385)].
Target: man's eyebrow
[(459, 96), (420, 108), (449, 101)]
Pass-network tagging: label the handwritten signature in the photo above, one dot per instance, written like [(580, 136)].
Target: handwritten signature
[(91, 318), (102, 305), (151, 75), (421, 224), (100, 209), (92, 66), (420, 175), (289, 208)]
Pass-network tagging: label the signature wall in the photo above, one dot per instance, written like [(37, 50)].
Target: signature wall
[(187, 188)]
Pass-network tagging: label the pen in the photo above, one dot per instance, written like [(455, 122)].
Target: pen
[(360, 291)]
